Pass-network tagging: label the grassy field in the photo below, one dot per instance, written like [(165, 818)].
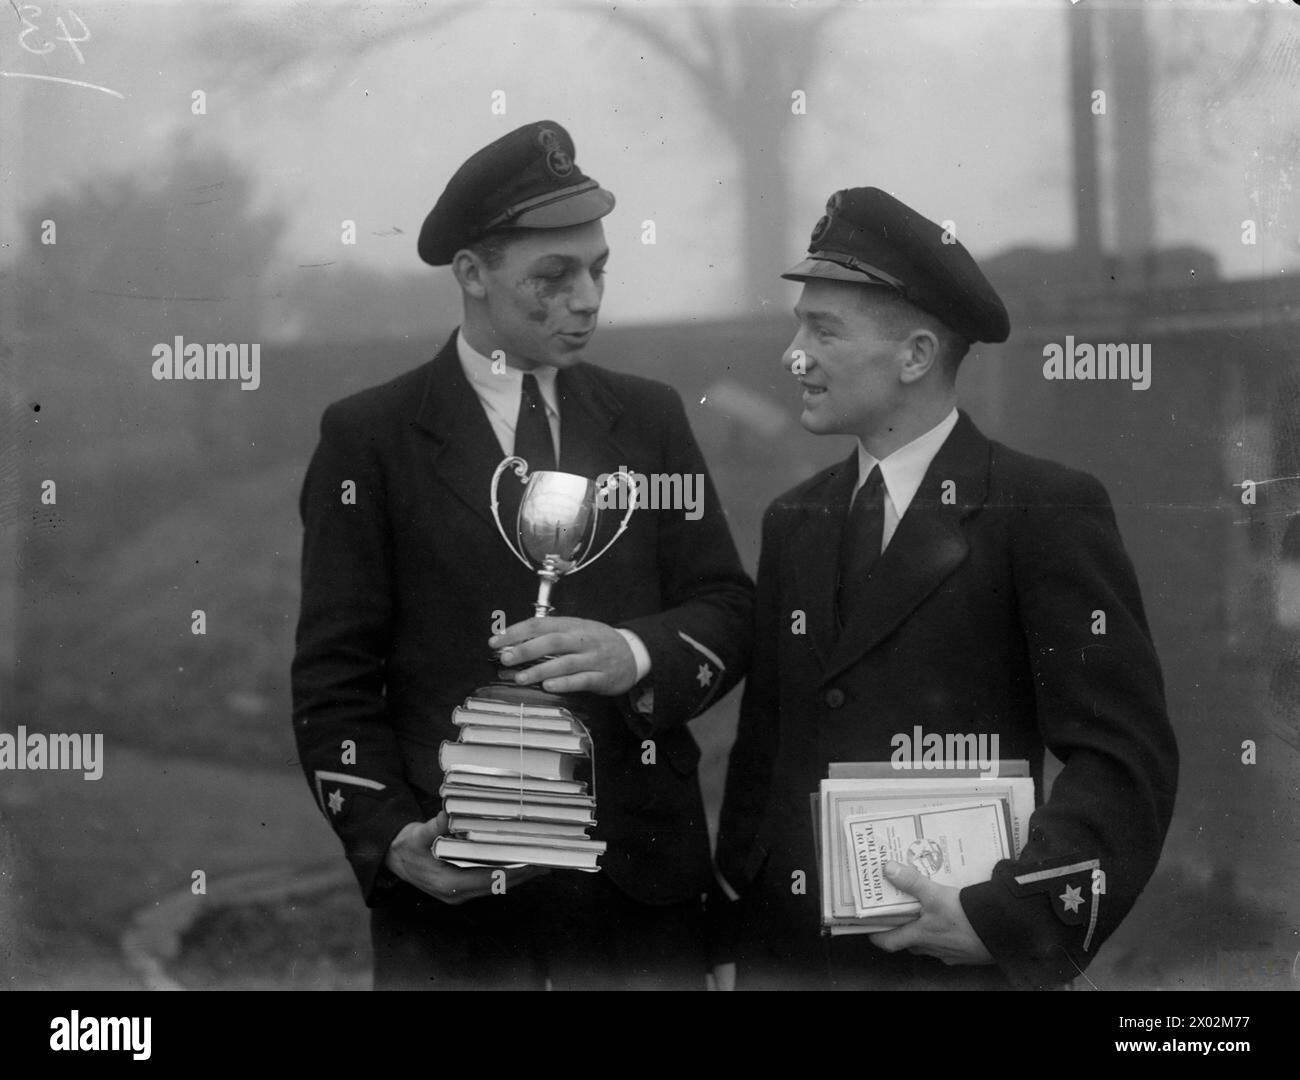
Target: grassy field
[(114, 652)]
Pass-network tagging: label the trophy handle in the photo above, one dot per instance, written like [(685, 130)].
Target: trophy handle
[(521, 471), (614, 478)]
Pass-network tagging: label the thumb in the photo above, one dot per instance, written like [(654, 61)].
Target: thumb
[(435, 827), (907, 878)]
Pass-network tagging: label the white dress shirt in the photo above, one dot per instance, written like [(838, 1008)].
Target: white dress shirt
[(903, 471), (499, 392)]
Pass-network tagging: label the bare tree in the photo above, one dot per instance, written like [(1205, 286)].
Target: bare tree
[(746, 63), (318, 44)]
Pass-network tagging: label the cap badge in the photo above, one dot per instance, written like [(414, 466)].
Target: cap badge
[(557, 158)]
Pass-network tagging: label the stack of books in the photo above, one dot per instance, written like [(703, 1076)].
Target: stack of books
[(953, 827), (518, 785)]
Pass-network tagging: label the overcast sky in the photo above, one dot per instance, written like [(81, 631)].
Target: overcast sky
[(363, 111)]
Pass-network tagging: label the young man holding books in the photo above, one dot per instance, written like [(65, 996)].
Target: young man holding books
[(936, 578), (407, 587)]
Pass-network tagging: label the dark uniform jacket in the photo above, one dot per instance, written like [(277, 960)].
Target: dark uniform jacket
[(399, 591), (979, 619)]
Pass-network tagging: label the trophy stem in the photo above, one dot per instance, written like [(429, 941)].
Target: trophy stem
[(549, 576)]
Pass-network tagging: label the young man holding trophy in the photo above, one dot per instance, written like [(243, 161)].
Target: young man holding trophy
[(411, 601)]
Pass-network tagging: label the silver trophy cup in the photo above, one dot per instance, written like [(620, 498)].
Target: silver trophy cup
[(555, 529)]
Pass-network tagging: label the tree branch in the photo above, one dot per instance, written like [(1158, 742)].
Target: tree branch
[(711, 86)]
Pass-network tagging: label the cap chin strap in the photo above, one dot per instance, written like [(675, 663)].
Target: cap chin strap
[(878, 276), (536, 203)]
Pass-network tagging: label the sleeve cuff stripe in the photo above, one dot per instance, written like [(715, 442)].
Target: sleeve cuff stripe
[(344, 778), (1057, 871), (703, 650)]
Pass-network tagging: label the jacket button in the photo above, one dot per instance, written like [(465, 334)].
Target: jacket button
[(834, 697)]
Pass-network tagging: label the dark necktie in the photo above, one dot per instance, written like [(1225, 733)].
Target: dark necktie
[(860, 545), (532, 429)]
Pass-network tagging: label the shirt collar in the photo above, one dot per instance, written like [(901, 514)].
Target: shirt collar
[(904, 469), (501, 388)]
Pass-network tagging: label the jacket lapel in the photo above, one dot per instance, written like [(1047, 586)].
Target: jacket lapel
[(588, 410), (814, 551), (927, 547), (466, 451)]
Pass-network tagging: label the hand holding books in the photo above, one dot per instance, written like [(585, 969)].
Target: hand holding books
[(941, 930), (951, 828), (410, 857), (953, 843)]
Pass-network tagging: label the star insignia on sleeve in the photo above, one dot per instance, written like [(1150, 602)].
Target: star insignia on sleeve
[(332, 804), (1072, 898), (1076, 874), (709, 664)]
